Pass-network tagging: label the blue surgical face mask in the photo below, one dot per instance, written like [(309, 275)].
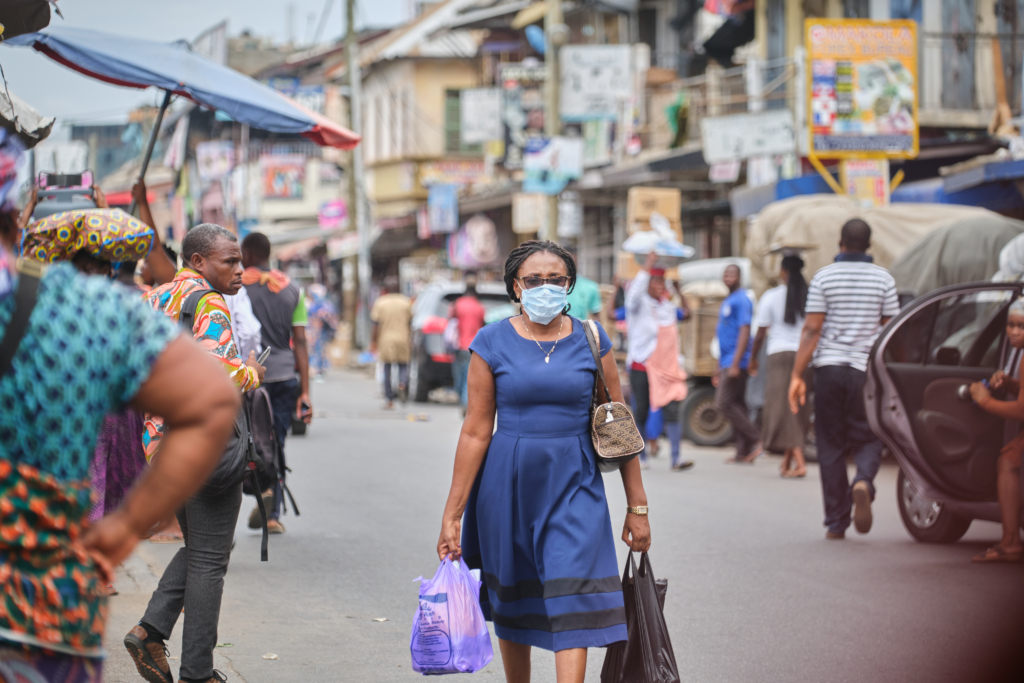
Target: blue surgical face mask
[(544, 303)]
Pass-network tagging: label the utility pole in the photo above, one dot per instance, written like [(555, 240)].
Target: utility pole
[(356, 191), (555, 35)]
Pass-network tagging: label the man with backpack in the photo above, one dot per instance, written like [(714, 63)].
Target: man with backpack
[(280, 308), (194, 580)]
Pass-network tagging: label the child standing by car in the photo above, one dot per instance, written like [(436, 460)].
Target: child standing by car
[(1009, 548)]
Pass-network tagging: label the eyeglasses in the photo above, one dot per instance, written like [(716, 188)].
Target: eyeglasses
[(534, 282)]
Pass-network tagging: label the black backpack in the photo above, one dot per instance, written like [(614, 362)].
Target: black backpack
[(241, 458)]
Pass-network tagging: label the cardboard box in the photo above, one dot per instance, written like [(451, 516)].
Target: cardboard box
[(698, 332), (641, 202)]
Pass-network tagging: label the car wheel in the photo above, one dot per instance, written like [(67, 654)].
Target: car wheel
[(703, 423), (928, 521), (419, 387)]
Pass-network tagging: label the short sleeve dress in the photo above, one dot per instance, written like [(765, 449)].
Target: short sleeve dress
[(537, 521)]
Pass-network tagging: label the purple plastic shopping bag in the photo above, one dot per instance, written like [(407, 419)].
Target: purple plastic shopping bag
[(449, 634)]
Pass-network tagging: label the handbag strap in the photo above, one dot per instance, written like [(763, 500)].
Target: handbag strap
[(590, 330), (29, 274)]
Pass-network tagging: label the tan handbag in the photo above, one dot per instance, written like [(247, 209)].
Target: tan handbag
[(612, 428)]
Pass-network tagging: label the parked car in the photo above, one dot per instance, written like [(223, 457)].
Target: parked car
[(945, 445), (431, 364)]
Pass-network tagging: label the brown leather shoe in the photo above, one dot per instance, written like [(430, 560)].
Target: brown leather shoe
[(150, 658)]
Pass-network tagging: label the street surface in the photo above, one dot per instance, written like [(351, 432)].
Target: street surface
[(755, 591)]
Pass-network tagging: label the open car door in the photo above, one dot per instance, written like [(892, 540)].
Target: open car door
[(946, 446)]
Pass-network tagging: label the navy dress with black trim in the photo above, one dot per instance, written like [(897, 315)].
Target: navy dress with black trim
[(537, 521)]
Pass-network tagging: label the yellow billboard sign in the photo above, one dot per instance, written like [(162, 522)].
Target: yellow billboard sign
[(862, 88)]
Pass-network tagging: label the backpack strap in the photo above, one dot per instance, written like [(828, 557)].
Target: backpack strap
[(187, 315), (29, 275)]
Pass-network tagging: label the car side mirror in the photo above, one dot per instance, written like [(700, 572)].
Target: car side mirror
[(947, 355)]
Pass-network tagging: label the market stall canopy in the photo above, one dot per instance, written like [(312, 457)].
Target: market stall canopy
[(817, 220), (963, 251), (175, 68), (19, 118)]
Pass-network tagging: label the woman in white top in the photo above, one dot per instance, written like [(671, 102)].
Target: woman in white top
[(780, 317)]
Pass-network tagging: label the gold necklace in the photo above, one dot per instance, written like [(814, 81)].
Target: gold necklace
[(547, 355)]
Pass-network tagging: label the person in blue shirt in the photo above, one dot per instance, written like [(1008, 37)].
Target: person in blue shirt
[(731, 379)]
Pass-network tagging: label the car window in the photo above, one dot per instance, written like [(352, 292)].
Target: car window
[(968, 330), (964, 330)]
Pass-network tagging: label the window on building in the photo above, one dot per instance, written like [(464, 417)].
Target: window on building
[(453, 127)]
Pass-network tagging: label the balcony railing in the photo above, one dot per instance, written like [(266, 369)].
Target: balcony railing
[(958, 71)]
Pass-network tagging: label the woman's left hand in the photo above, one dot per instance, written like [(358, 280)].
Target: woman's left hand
[(636, 533)]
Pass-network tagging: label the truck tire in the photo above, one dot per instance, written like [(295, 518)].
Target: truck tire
[(703, 423), (926, 520)]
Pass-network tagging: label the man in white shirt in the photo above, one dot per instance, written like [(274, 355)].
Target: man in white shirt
[(649, 308), (848, 302)]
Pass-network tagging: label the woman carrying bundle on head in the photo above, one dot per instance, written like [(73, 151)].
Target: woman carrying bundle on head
[(780, 317)]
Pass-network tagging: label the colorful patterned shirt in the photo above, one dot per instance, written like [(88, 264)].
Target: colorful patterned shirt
[(212, 329), (89, 346)]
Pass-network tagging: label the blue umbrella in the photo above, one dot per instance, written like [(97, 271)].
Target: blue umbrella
[(176, 69)]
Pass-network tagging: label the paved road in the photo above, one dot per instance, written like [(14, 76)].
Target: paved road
[(755, 592)]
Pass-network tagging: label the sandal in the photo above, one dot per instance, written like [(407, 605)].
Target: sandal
[(167, 538), (998, 554), (795, 474)]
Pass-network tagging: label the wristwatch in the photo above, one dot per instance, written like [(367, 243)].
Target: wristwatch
[(639, 510)]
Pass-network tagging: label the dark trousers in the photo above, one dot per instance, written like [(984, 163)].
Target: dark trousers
[(195, 580), (640, 386), (841, 427), (730, 398), (282, 403), (403, 379)]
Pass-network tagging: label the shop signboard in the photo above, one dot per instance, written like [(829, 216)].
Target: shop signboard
[(862, 88), (866, 181), (283, 175), (529, 213), (443, 208), (741, 136), (550, 163), (522, 108), (595, 80), (570, 214), (480, 116), (332, 214), (447, 172)]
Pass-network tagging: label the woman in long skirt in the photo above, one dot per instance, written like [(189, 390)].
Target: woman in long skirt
[(536, 517), (780, 318)]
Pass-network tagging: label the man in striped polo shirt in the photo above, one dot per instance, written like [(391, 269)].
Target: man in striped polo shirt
[(848, 302)]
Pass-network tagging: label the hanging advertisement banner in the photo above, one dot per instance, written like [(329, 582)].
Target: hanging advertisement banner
[(595, 80), (522, 109), (550, 163), (447, 172), (443, 207), (570, 214), (215, 159), (529, 213), (862, 88), (480, 116), (283, 175)]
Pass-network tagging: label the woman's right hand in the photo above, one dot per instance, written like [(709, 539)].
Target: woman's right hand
[(448, 542)]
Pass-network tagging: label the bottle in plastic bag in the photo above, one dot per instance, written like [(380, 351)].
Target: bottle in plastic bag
[(449, 633)]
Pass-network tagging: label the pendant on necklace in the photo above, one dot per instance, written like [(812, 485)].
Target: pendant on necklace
[(547, 359)]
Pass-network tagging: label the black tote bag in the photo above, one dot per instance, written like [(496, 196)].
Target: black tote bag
[(647, 655)]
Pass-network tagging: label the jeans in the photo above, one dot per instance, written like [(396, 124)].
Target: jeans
[(730, 397), (403, 379), (195, 580), (841, 427), (282, 403), (460, 373)]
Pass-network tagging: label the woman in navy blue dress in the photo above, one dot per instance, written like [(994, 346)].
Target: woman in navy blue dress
[(536, 517)]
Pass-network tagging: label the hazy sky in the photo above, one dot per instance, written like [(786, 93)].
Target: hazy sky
[(55, 90)]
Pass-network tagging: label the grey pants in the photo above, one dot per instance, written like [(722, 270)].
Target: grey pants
[(403, 379), (195, 579)]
